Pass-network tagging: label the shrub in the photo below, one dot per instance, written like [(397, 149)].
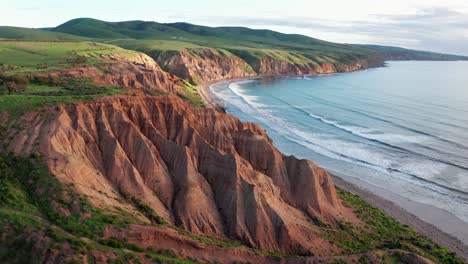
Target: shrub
[(3, 89), (11, 87), (77, 60), (48, 80), (42, 66), (364, 259), (20, 79), (112, 242), (135, 248), (13, 84)]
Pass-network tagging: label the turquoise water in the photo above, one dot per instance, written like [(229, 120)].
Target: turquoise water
[(403, 127)]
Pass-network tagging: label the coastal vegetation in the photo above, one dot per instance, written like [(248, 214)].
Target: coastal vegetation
[(384, 232)]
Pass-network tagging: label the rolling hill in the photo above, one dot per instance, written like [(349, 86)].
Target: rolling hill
[(19, 33), (397, 54)]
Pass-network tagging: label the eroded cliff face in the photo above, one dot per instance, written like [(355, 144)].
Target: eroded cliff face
[(137, 72), (268, 65), (204, 171), (204, 64)]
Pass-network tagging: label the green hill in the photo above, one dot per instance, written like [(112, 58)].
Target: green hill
[(92, 28), (396, 53), (34, 34), (201, 35)]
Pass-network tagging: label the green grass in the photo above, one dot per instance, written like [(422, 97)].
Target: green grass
[(42, 194), (383, 232), (32, 203), (36, 56), (35, 34), (192, 95), (28, 57), (147, 211), (149, 45), (39, 89), (18, 104), (396, 53)]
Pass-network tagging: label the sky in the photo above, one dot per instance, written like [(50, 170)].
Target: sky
[(434, 25)]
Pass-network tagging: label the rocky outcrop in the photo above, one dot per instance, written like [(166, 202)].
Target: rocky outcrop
[(204, 64), (204, 171)]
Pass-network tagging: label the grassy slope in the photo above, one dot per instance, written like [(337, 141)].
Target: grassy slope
[(396, 53), (34, 34), (26, 57)]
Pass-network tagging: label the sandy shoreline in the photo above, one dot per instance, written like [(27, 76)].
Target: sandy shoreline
[(412, 214)]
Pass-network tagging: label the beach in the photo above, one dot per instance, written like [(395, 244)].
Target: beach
[(433, 214), (450, 231)]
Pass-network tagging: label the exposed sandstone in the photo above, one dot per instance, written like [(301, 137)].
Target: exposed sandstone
[(204, 64), (199, 169), (137, 72)]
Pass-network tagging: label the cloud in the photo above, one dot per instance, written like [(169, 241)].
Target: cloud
[(435, 29)]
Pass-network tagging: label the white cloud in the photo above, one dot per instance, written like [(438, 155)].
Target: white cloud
[(435, 29)]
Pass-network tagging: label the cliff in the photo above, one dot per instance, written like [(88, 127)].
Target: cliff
[(138, 71), (204, 64), (204, 171), (201, 65)]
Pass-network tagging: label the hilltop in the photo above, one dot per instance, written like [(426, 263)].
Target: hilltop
[(18, 33)]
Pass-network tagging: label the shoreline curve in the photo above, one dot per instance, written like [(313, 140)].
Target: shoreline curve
[(447, 235)]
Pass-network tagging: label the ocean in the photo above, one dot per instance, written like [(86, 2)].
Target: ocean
[(403, 127)]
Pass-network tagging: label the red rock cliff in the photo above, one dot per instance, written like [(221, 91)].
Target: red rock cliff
[(199, 169), (136, 72), (204, 64)]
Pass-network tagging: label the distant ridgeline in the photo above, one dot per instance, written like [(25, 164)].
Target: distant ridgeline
[(249, 44), (401, 54)]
